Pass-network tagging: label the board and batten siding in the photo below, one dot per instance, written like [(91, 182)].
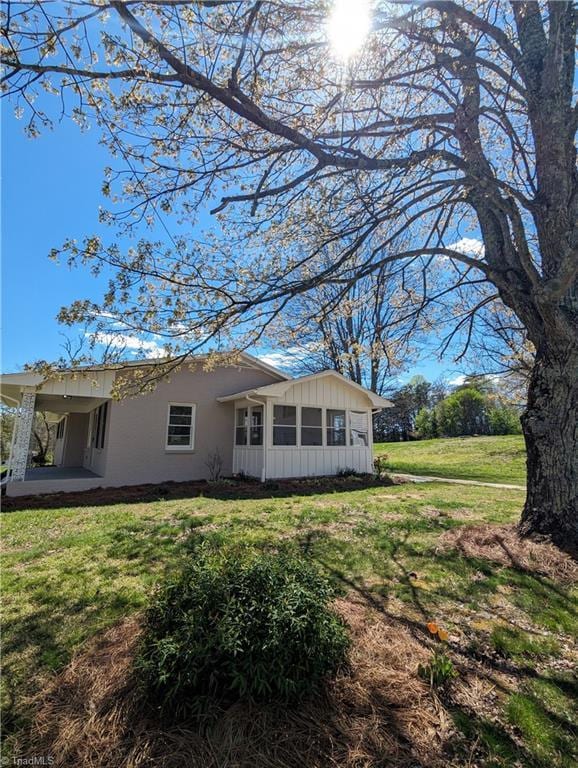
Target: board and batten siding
[(248, 460), (311, 461), (326, 392)]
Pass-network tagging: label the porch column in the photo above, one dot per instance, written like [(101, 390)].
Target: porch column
[(267, 432), (25, 420)]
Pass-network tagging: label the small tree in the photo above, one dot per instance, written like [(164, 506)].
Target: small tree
[(426, 423), (214, 464), (504, 421), (463, 413), (43, 434)]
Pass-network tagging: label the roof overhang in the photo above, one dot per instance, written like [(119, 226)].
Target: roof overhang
[(92, 382), (279, 388)]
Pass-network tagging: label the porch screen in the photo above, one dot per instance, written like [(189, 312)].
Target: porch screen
[(180, 428), (335, 427), (241, 418), (256, 430), (311, 426), (359, 430), (284, 425)]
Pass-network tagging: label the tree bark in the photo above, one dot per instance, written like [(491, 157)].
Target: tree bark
[(550, 425)]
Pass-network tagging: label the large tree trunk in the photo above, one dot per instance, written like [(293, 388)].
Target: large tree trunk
[(550, 425)]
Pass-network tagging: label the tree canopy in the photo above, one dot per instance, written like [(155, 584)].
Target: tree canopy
[(444, 148), (429, 139)]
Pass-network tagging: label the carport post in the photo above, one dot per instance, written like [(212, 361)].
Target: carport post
[(25, 420)]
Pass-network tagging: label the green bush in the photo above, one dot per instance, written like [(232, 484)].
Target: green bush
[(238, 623), (463, 413), (380, 464), (504, 421), (426, 424)]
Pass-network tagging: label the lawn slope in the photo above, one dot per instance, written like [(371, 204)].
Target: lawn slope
[(404, 556), (500, 459)]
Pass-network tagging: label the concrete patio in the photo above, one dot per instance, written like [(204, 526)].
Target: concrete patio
[(54, 480), (59, 473)]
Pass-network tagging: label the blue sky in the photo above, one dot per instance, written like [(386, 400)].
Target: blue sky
[(51, 192)]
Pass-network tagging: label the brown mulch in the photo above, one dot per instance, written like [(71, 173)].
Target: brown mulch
[(230, 489), (502, 544), (376, 713)]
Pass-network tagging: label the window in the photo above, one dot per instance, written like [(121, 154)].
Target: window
[(335, 427), (99, 425), (256, 430), (181, 426), (311, 426), (284, 425), (358, 428), (60, 429), (241, 420)]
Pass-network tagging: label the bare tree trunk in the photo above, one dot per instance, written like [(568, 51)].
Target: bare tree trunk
[(550, 425)]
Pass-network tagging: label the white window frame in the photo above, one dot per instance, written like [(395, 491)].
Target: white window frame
[(191, 445), (101, 416), (247, 427), (324, 446)]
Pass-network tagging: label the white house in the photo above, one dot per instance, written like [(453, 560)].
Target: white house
[(256, 419)]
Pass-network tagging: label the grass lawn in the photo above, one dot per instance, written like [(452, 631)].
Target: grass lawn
[(500, 459), (70, 573)]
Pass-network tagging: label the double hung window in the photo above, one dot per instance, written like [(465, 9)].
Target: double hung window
[(181, 426)]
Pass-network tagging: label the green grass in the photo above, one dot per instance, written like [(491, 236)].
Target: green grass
[(69, 573), (515, 643), (500, 459)]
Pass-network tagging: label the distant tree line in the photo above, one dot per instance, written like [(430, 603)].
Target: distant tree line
[(422, 409)]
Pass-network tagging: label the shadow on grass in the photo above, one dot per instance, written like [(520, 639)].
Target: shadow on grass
[(490, 740), (379, 717), (390, 558), (375, 713)]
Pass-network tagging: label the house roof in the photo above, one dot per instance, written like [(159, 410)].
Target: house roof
[(12, 383), (279, 388)]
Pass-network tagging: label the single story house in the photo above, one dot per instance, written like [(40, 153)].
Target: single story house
[(245, 416)]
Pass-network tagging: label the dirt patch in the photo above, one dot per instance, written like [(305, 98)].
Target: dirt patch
[(230, 489), (376, 713), (502, 544)]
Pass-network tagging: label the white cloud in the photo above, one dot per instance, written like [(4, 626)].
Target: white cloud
[(125, 341), (112, 319), (458, 381), (286, 358), (469, 246)]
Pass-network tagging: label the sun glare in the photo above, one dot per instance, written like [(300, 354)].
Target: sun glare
[(348, 27)]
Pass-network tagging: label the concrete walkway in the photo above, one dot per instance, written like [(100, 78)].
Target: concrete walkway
[(455, 480)]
